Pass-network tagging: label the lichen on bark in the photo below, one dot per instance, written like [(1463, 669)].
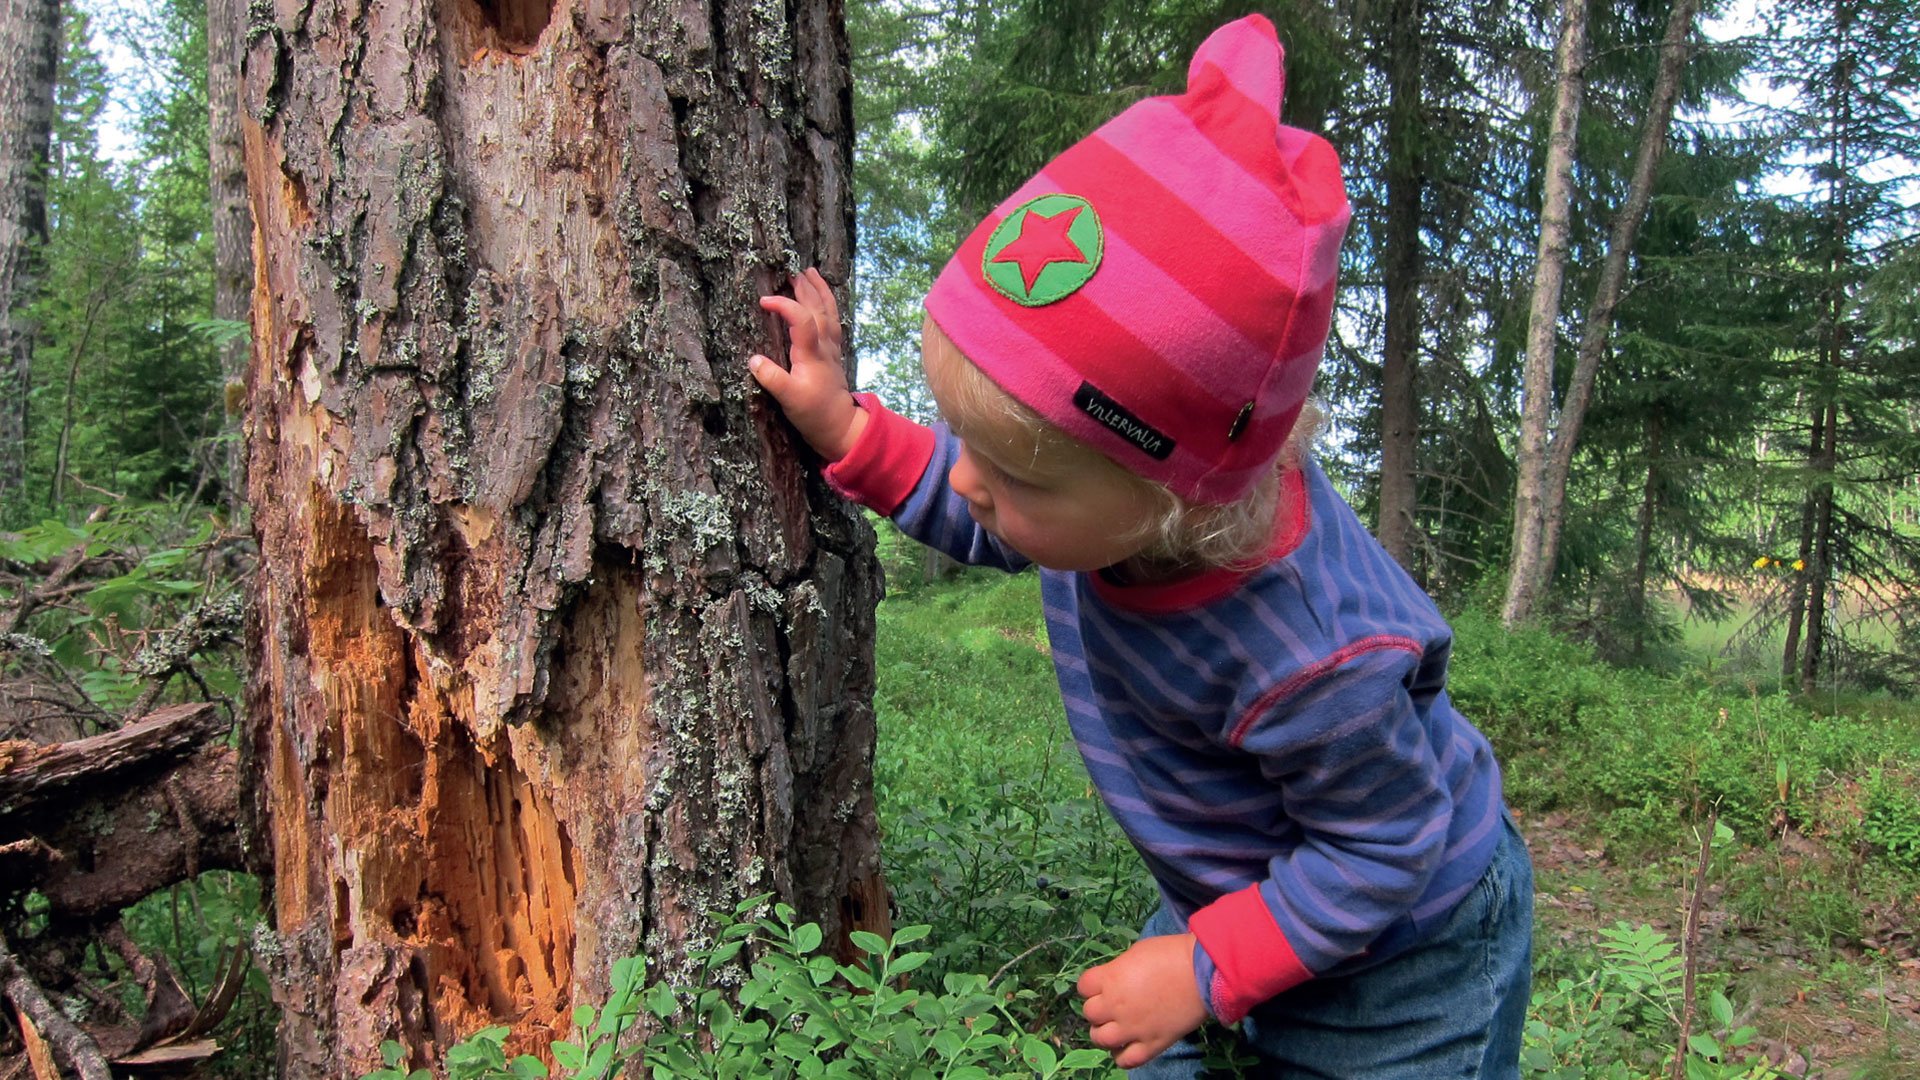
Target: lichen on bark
[(557, 638)]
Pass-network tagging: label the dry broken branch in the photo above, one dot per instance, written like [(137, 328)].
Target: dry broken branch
[(69, 1043), (31, 775)]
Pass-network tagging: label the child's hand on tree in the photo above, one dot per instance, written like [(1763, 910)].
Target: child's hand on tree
[(813, 391), (1144, 1000)]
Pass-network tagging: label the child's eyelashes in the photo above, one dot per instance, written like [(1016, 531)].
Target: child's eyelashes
[(989, 467)]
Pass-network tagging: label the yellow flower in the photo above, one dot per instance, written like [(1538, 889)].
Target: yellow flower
[(1799, 564), (1761, 563)]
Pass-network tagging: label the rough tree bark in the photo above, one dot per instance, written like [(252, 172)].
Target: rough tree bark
[(29, 58), (1543, 314), (559, 650), (1400, 347)]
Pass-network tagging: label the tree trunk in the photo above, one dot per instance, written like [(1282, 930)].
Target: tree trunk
[(559, 653), (232, 225), (1820, 561), (1400, 347), (1676, 48), (29, 61), (1643, 534), (1527, 574), (1797, 594)]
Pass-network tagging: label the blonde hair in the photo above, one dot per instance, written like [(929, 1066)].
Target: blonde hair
[(1180, 533)]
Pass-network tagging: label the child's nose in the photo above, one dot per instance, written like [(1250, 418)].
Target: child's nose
[(964, 479)]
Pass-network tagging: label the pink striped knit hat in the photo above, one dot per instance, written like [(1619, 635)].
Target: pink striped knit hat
[(1161, 291)]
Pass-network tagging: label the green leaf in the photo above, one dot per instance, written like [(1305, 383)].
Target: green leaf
[(1704, 1045), (907, 935), (526, 1067), (806, 938), (660, 1001), (1721, 1008), (948, 1043), (1039, 1055), (629, 972), (868, 942), (911, 961), (569, 1054), (598, 1062)]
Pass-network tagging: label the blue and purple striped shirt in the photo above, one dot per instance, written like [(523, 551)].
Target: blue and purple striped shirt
[(1277, 743)]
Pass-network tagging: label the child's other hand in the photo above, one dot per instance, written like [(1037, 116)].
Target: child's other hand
[(1144, 1000), (813, 392)]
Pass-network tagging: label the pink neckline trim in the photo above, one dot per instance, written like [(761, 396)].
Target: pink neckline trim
[(1291, 522)]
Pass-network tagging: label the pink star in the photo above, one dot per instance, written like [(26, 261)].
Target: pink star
[(1043, 241)]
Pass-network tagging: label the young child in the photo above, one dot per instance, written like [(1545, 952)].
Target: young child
[(1123, 351)]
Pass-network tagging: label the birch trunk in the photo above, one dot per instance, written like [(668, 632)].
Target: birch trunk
[(559, 652), (1676, 49), (1526, 576)]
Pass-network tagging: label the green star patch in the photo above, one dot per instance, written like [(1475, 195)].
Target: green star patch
[(1045, 250)]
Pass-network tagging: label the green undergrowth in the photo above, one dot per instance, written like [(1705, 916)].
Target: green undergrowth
[(1640, 755), (1009, 879)]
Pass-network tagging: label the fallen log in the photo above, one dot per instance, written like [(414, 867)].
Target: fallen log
[(33, 775)]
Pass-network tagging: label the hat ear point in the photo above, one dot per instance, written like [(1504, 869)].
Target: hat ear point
[(1246, 54)]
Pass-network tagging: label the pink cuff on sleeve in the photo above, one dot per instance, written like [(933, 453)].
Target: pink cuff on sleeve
[(1252, 959), (885, 463)]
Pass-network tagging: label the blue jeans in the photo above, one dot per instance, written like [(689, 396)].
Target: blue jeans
[(1452, 1006)]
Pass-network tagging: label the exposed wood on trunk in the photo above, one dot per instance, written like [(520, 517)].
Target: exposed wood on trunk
[(1399, 413), (559, 652), (29, 57), (1543, 317)]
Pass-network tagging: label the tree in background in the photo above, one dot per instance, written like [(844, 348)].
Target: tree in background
[(1545, 463), (1666, 450), (559, 651), (85, 320), (29, 54), (1852, 68), (127, 391), (226, 22)]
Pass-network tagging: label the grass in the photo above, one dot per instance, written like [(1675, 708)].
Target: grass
[(992, 836)]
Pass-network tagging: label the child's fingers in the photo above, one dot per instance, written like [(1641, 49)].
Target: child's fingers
[(829, 307), (1090, 981), (772, 377), (802, 325), (813, 293)]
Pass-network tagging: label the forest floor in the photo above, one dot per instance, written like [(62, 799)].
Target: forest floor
[(1847, 1007)]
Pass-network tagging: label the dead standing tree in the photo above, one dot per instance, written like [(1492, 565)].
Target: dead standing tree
[(559, 652)]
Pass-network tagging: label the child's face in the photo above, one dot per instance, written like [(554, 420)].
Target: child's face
[(1060, 504)]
